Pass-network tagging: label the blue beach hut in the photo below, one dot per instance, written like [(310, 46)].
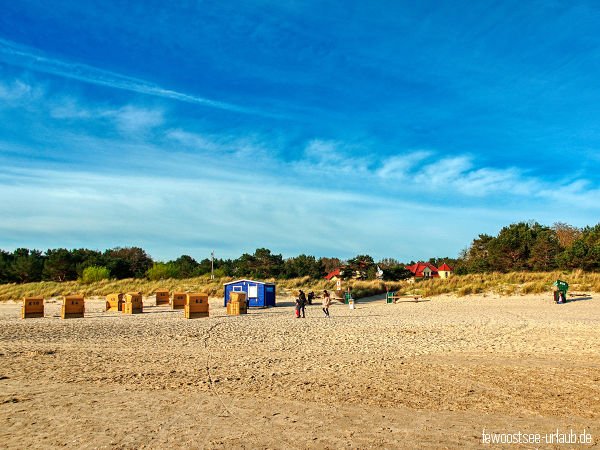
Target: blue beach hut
[(259, 293)]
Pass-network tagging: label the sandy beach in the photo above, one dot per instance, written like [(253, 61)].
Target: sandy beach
[(433, 373)]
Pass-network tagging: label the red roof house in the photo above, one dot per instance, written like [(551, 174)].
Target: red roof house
[(445, 271), (334, 274), (358, 273), (423, 270)]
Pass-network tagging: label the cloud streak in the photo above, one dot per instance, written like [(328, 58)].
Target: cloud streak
[(229, 187), (74, 208), (129, 119), (431, 175), (22, 56)]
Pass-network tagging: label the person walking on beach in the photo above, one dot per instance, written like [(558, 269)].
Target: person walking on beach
[(300, 304), (326, 302)]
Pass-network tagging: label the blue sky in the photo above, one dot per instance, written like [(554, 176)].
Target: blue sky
[(398, 129)]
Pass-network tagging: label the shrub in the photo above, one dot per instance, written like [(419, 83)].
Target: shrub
[(161, 270), (219, 273), (535, 287), (94, 273), (465, 290)]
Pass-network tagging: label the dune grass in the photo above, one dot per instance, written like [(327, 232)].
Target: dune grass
[(513, 283)]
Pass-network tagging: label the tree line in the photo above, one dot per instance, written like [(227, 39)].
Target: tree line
[(529, 246), (517, 247), (24, 265)]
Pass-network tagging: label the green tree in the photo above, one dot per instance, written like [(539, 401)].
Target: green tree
[(83, 258), (161, 270), (226, 267), (119, 268), (59, 265), (244, 265), (5, 263), (511, 249), (94, 273), (330, 264), (220, 273), (187, 266), (393, 270), (361, 266), (592, 239), (545, 250), (26, 266), (584, 253), (385, 263), (204, 266), (134, 262), (437, 262), (268, 264), (477, 258), (396, 273), (262, 264), (301, 266)]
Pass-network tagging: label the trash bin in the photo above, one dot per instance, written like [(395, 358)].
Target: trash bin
[(389, 297), (560, 291), (347, 297)]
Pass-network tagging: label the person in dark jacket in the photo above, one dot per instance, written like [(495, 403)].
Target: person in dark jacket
[(300, 304)]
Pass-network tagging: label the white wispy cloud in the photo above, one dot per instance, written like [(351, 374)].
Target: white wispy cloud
[(577, 192), (195, 141), (481, 182), (399, 166), (443, 171), (234, 188), (19, 93), (324, 163), (248, 148), (128, 118), (70, 108), (22, 56), (131, 119), (75, 207), (332, 157), (430, 171)]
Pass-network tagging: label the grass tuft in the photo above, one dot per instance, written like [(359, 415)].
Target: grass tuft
[(502, 284)]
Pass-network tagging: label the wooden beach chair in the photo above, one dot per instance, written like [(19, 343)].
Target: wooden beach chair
[(32, 307), (196, 306), (134, 303), (73, 307), (114, 302)]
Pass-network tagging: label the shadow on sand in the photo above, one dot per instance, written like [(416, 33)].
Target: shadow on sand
[(577, 299), (336, 301), (287, 303), (413, 301)]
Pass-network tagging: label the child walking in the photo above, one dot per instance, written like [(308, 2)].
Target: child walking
[(326, 302)]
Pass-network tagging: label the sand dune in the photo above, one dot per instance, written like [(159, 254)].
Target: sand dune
[(431, 373)]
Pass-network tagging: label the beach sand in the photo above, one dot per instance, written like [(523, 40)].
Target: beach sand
[(433, 373)]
